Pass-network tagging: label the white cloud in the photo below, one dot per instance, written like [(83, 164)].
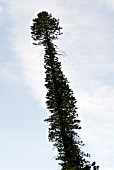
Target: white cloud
[(110, 3), (7, 74), (98, 103), (96, 110), (1, 13), (1, 9)]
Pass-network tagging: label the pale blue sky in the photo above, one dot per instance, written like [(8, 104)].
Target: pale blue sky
[(88, 63)]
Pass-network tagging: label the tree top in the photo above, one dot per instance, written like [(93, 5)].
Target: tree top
[(45, 26)]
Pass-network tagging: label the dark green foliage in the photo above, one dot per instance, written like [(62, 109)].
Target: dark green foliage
[(45, 26), (63, 121)]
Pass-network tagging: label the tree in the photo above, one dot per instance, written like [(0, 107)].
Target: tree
[(63, 121)]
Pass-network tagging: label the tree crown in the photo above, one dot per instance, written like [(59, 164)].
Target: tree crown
[(45, 26)]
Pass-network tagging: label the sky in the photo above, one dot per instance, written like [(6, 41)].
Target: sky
[(87, 48)]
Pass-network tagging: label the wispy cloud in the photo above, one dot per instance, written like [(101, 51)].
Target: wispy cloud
[(1, 13), (1, 10), (110, 3), (9, 72), (97, 114)]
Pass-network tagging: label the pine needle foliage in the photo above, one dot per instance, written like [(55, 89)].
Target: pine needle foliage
[(63, 121)]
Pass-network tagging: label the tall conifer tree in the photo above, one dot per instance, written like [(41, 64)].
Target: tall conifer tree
[(63, 121)]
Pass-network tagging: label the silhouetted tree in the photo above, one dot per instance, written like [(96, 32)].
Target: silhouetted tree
[(63, 121)]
